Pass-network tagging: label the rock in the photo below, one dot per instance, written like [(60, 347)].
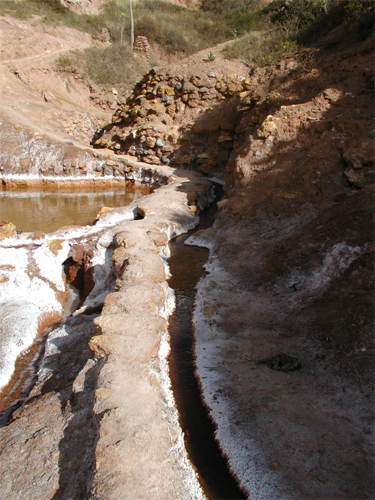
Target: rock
[(160, 238), (157, 107), (332, 94), (359, 179), (55, 246), (103, 212), (58, 169), (167, 99), (269, 125), (225, 138), (202, 81), (152, 160), (282, 363), (189, 88), (38, 235), (203, 156), (358, 157), (25, 163), (234, 87), (209, 309), (7, 229), (150, 142)]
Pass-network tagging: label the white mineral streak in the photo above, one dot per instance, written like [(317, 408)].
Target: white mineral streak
[(28, 275), (244, 458), (50, 265), (336, 261), (71, 178), (25, 299), (178, 450)]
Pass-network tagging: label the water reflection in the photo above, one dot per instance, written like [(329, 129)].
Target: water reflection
[(47, 211)]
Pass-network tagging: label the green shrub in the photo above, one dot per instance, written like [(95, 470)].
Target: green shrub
[(360, 15), (65, 64), (260, 49), (21, 9), (298, 13), (112, 65), (228, 7)]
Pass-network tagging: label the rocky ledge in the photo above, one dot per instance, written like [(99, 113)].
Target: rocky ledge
[(101, 420)]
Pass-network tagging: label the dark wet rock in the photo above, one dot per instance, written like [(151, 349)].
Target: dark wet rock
[(282, 363)]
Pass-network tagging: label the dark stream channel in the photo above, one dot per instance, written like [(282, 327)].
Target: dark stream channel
[(186, 265)]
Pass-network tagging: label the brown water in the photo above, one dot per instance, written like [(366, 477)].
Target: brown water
[(186, 265), (47, 211)]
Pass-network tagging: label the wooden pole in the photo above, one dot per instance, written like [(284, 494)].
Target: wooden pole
[(131, 26)]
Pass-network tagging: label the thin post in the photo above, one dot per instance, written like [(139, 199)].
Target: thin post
[(131, 26)]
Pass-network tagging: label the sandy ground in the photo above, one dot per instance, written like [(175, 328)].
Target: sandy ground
[(33, 95)]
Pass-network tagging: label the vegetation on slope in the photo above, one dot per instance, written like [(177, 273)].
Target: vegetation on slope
[(288, 24), (264, 35), (175, 29)]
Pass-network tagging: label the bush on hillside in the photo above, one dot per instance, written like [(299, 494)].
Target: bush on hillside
[(261, 49), (112, 65), (360, 13)]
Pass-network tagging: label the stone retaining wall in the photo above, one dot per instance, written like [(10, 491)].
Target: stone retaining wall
[(171, 119), (187, 120)]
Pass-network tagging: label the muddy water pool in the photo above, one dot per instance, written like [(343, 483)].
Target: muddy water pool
[(41, 210)]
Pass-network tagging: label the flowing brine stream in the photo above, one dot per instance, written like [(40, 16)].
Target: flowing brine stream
[(186, 266)]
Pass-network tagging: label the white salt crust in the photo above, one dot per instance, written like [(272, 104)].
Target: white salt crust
[(161, 373), (30, 273)]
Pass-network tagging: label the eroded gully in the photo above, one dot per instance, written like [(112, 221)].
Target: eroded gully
[(186, 266)]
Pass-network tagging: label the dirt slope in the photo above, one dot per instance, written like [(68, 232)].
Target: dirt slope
[(285, 316), (33, 95)]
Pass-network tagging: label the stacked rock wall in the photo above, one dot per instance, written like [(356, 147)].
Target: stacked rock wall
[(142, 47), (183, 120), (31, 157)]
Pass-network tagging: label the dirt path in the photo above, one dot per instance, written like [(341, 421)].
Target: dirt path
[(33, 95), (43, 56)]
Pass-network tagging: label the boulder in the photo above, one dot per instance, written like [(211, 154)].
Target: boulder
[(7, 230)]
